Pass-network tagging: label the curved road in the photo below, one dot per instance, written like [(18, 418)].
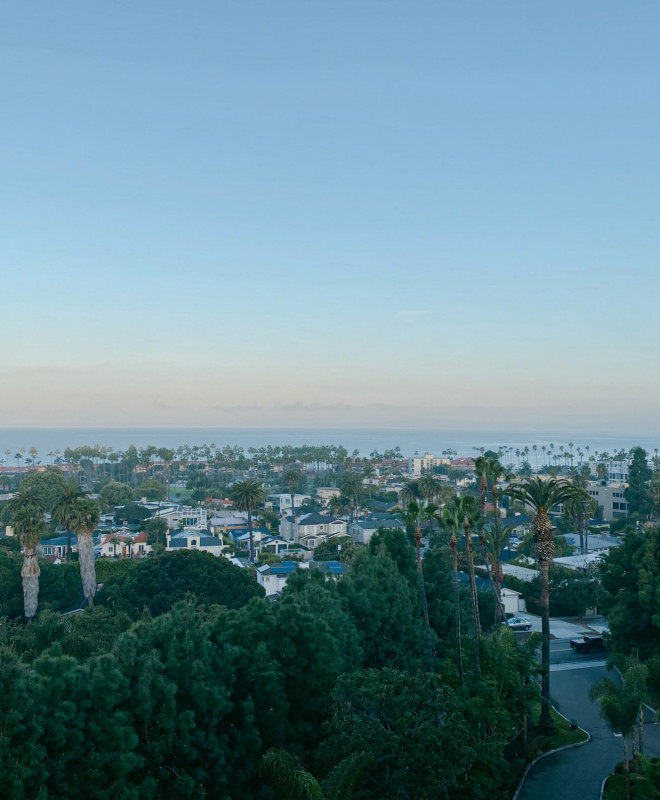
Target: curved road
[(577, 774)]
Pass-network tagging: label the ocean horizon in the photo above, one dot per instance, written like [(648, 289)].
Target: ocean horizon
[(364, 440)]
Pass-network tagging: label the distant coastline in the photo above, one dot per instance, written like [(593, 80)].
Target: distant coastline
[(365, 440)]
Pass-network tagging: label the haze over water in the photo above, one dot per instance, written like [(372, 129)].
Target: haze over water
[(365, 440)]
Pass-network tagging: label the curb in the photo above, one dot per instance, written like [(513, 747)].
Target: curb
[(549, 753), (602, 786)]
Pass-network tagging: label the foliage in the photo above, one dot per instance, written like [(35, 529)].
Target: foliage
[(328, 551), (639, 478), (158, 583), (412, 727), (49, 485), (132, 514), (630, 598), (115, 494), (152, 490)]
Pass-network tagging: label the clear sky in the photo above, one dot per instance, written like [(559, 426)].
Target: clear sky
[(330, 213)]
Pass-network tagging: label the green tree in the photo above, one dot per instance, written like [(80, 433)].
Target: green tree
[(152, 490), (542, 496), (411, 727), (630, 593), (49, 485), (639, 483), (115, 494), (619, 706), (157, 584), (248, 495)]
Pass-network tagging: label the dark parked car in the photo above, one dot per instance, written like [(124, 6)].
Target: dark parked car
[(588, 642)]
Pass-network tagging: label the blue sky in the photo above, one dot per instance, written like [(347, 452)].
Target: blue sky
[(330, 213)]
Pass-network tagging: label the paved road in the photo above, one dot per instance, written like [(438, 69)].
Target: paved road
[(577, 774)]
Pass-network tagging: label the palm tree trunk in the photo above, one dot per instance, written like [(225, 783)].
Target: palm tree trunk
[(425, 605), (457, 608), (545, 721), (87, 566), (475, 603), (491, 578), (249, 513), (68, 545), (30, 574), (626, 767)]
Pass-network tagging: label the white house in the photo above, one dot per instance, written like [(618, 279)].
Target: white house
[(122, 544), (195, 539), (281, 503)]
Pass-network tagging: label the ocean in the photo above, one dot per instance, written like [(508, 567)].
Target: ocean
[(364, 440)]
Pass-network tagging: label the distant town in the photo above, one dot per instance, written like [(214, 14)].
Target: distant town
[(333, 578)]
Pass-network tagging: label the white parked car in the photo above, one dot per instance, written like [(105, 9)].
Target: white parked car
[(519, 624)]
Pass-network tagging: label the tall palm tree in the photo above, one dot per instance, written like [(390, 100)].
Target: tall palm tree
[(457, 605), (83, 519), (579, 510), (292, 479), (29, 525), (414, 515), (65, 508), (351, 487), (248, 496), (462, 514), (542, 496), (619, 706)]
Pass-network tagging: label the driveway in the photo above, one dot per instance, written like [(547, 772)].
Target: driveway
[(568, 628), (577, 774)]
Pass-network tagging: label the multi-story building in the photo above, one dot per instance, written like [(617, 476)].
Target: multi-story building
[(421, 464), (611, 496)]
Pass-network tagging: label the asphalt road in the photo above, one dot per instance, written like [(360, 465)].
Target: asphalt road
[(577, 774)]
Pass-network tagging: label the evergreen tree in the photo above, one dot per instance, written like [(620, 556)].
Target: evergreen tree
[(639, 483)]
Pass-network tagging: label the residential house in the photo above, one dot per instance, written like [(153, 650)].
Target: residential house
[(362, 530), (55, 548), (311, 524), (281, 503), (121, 544), (273, 577), (195, 539)]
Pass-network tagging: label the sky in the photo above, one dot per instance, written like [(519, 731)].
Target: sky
[(351, 213)]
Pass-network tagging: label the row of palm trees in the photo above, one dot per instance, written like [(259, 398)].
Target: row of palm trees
[(77, 513), (540, 496)]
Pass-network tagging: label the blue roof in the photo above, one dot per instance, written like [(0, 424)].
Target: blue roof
[(60, 540), (289, 564), (282, 570)]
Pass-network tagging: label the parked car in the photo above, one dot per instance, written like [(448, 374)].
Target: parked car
[(588, 642), (519, 623)]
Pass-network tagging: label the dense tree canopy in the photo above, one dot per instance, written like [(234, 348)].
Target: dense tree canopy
[(158, 583)]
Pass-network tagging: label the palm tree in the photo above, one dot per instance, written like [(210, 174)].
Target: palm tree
[(64, 509), (413, 516), (248, 496), (579, 509), (28, 522), (462, 514), (457, 605), (619, 706), (83, 519), (542, 496), (351, 487), (292, 479), (429, 488)]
